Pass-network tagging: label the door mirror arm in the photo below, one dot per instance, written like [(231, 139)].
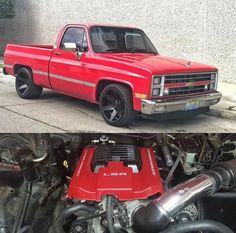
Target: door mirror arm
[(80, 51), (79, 54), (83, 48)]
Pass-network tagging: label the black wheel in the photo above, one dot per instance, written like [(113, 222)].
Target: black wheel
[(116, 105), (25, 86)]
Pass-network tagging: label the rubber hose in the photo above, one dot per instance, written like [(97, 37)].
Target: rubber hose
[(26, 204), (204, 225), (78, 221), (22, 208), (24, 229), (70, 211), (175, 165), (224, 195), (109, 209)]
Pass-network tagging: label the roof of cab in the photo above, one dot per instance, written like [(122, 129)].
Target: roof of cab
[(89, 25)]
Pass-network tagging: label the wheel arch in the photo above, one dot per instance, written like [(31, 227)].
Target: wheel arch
[(105, 82), (19, 66)]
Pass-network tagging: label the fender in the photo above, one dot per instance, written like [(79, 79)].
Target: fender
[(136, 101)]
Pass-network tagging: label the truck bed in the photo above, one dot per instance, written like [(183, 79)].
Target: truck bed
[(36, 57), (26, 50), (37, 46)]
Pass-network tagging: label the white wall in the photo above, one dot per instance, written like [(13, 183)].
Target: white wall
[(200, 30)]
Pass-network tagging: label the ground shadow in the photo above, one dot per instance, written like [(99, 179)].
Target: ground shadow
[(85, 106)]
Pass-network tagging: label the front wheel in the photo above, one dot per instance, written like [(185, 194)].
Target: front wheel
[(25, 86), (116, 105)]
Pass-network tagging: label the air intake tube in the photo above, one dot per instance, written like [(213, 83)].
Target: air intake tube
[(160, 212)]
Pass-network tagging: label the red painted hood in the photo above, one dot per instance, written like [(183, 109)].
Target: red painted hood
[(159, 64)]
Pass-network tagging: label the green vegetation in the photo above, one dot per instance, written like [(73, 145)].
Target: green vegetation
[(7, 8), (1, 65)]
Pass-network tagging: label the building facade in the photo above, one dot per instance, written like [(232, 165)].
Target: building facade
[(200, 30)]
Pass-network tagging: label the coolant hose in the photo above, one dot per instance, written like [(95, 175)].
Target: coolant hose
[(223, 195), (175, 165), (109, 210), (73, 210), (20, 214), (160, 212), (203, 225), (24, 229)]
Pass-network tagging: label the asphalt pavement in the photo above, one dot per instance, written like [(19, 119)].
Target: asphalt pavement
[(54, 112)]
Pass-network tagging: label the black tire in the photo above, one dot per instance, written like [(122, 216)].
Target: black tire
[(25, 86), (116, 105)]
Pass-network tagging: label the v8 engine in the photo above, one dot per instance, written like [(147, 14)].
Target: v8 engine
[(124, 171), (88, 183)]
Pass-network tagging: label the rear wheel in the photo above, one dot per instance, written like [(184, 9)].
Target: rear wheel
[(116, 105), (25, 86)]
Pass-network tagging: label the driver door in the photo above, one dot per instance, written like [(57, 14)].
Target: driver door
[(66, 72)]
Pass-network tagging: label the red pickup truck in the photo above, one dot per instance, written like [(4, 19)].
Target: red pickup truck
[(115, 66)]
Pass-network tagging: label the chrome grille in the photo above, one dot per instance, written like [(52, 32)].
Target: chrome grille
[(187, 78), (192, 83), (187, 90)]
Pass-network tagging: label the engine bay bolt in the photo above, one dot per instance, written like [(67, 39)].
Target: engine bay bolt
[(184, 219), (65, 164)]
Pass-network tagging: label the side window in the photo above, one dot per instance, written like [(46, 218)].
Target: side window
[(74, 35)]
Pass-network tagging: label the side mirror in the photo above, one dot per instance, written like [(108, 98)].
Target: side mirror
[(70, 47)]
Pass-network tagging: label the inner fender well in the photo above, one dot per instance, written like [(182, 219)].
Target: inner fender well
[(105, 82), (19, 66)]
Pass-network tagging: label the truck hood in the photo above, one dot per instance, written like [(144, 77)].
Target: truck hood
[(159, 64)]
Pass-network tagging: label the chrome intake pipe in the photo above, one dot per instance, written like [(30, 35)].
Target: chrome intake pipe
[(160, 212), (186, 193)]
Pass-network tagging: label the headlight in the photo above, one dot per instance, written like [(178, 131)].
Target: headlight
[(214, 80), (166, 91), (156, 91), (207, 87), (213, 77), (156, 80), (212, 86)]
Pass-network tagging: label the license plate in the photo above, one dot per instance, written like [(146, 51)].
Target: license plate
[(191, 105)]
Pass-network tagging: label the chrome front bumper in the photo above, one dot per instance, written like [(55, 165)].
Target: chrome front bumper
[(157, 106)]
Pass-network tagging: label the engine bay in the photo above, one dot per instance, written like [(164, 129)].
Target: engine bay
[(117, 183)]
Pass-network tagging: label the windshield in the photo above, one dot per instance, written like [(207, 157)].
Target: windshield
[(120, 40)]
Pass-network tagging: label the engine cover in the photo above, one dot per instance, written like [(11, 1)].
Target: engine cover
[(125, 171)]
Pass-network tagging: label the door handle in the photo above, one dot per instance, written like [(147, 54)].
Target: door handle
[(58, 53)]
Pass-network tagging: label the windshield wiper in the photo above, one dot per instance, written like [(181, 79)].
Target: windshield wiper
[(112, 50), (136, 50), (133, 50)]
